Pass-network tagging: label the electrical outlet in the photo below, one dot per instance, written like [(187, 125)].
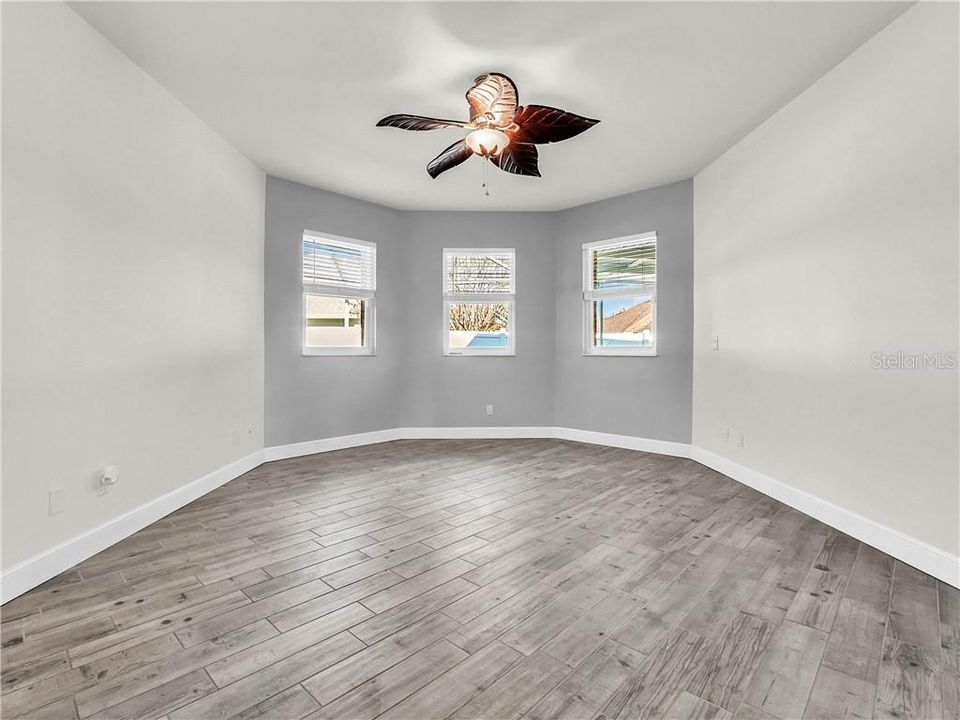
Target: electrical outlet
[(725, 434), (108, 478), (489, 409), (716, 342), (739, 439), (56, 501)]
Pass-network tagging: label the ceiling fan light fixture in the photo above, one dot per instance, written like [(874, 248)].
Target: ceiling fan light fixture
[(487, 142), (499, 129)]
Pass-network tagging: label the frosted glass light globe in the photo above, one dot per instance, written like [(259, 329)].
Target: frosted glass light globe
[(487, 141)]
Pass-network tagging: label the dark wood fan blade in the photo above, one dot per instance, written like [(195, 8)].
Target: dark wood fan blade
[(451, 157), (418, 122), (518, 158), (542, 124)]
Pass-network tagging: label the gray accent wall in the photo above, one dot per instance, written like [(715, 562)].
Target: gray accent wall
[(442, 391), (313, 397), (648, 397), (410, 383)]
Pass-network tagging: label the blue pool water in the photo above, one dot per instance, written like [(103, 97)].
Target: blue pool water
[(500, 340), (489, 340)]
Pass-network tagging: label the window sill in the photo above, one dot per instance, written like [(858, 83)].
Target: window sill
[(479, 353), (334, 352), (626, 353)]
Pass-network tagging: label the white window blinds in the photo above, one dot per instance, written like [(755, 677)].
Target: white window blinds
[(478, 272), (618, 266), (349, 266)]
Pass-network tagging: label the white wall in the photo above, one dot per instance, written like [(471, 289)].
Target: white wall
[(828, 234), (132, 284)]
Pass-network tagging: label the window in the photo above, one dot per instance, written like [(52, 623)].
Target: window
[(339, 295), (620, 296), (478, 301)]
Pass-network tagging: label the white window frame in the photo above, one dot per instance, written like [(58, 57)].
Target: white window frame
[(508, 299), (590, 295), (370, 295)]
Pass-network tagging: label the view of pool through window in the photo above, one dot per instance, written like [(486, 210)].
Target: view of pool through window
[(478, 303), (489, 340)]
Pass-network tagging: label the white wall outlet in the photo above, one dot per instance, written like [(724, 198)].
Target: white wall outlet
[(739, 439), (724, 434), (489, 409), (56, 500), (716, 342), (108, 478)]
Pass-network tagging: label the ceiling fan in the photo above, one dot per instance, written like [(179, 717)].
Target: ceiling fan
[(499, 130)]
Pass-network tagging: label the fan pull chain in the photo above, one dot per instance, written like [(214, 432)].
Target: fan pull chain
[(483, 185)]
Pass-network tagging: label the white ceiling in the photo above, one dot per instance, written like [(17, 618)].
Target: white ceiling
[(298, 87)]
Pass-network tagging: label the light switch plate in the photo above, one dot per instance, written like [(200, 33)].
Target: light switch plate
[(56, 501)]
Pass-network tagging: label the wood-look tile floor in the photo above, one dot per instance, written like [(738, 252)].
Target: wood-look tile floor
[(485, 579)]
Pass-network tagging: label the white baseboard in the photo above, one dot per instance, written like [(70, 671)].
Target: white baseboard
[(923, 556), (476, 433), (28, 574), (312, 447), (659, 447)]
